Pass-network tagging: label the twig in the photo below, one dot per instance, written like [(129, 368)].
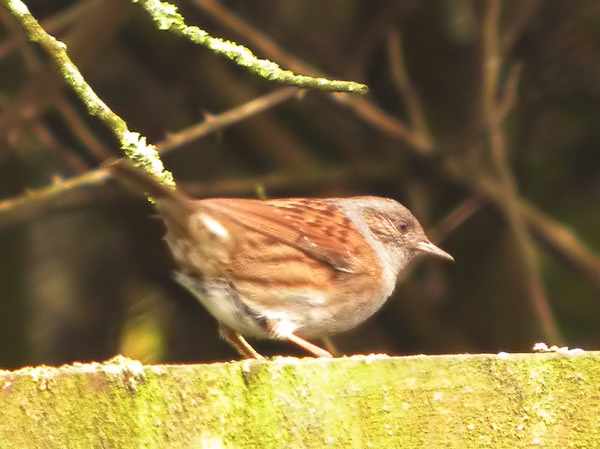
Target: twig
[(73, 192), (564, 242), (446, 226), (491, 64), (509, 96), (166, 17), (53, 24), (132, 143), (372, 32), (34, 63), (273, 141), (456, 218), (214, 123), (555, 234), (319, 177), (84, 38), (405, 86), (57, 196), (364, 109), (71, 159), (81, 130), (48, 198), (18, 37), (525, 10)]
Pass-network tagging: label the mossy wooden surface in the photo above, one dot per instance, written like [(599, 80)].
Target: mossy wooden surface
[(457, 401)]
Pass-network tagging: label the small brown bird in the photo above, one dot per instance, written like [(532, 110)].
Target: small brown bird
[(287, 269)]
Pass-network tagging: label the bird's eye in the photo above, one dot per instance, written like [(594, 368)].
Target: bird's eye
[(403, 226)]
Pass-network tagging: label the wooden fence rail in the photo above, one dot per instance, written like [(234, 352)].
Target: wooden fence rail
[(548, 400)]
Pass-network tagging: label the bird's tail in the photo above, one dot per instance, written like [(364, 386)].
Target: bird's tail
[(143, 182)]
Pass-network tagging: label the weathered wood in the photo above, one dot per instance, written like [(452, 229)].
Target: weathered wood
[(455, 401)]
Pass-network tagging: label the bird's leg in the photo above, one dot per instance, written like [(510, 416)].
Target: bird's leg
[(238, 342), (283, 330), (329, 345), (313, 349)]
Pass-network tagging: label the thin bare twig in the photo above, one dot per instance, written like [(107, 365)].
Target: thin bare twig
[(556, 234), (447, 225), (524, 11), (509, 96), (84, 38), (274, 140), (18, 37), (455, 218), (70, 158), (214, 123), (81, 130), (364, 109), (133, 144), (491, 66), (33, 63), (37, 202), (54, 197), (406, 87), (564, 242)]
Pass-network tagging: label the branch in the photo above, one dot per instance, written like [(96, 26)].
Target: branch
[(214, 123), (90, 33), (68, 155), (524, 11), (50, 198), (456, 218), (270, 137), (40, 201), (56, 23), (493, 111), (564, 242), (166, 17), (81, 130), (364, 109), (132, 143), (405, 86), (583, 260)]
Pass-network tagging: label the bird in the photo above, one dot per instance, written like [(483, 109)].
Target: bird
[(292, 269)]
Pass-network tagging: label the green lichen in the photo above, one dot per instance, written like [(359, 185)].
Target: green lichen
[(166, 17), (459, 401), (133, 144)]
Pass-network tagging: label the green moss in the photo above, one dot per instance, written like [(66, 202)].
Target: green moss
[(166, 17), (133, 144), (459, 401)]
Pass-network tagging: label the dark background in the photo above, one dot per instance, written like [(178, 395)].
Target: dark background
[(84, 274)]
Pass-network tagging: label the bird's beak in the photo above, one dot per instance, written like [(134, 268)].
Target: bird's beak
[(429, 248)]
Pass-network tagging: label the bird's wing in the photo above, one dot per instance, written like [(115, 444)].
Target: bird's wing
[(316, 227)]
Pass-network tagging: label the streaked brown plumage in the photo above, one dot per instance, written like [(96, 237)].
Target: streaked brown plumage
[(286, 268)]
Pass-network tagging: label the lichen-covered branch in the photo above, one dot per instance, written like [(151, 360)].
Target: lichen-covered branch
[(166, 17), (53, 24), (132, 143), (366, 110), (454, 401), (37, 202)]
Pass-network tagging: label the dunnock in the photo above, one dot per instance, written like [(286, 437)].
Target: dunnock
[(287, 269)]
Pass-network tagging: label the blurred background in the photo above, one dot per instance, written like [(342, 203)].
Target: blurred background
[(482, 118)]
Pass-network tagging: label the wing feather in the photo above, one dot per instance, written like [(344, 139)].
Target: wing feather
[(316, 227)]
